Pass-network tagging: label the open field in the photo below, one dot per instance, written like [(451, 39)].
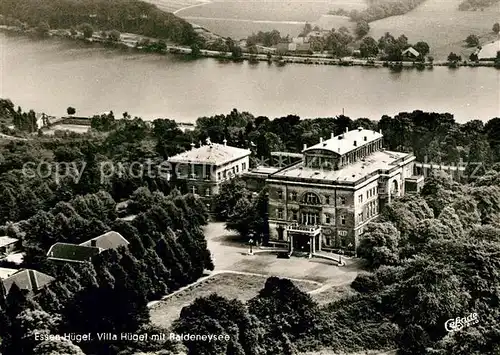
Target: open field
[(173, 5), (281, 10), (439, 23), (242, 287), (240, 18)]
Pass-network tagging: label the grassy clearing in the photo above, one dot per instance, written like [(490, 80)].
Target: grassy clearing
[(333, 294), (242, 287), (439, 23)]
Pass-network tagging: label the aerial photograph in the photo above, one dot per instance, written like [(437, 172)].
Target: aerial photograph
[(249, 177)]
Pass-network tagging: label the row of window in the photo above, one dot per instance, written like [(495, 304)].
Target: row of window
[(371, 210), (195, 190), (231, 172), (310, 198), (309, 218), (369, 193)]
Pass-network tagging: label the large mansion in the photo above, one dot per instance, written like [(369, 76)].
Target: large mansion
[(340, 185)]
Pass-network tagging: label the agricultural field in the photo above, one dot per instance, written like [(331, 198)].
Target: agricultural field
[(439, 23), (240, 18), (174, 5)]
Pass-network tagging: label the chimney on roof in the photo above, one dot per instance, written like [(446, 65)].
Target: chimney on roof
[(346, 129), (224, 141), (321, 139), (305, 146), (380, 131), (332, 135), (192, 145), (360, 128), (93, 243)]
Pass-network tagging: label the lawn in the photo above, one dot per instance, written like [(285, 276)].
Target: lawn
[(439, 23), (242, 287)]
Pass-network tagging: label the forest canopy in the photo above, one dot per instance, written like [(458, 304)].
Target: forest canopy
[(131, 16)]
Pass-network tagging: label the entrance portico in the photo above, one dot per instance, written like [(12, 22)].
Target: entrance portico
[(304, 238)]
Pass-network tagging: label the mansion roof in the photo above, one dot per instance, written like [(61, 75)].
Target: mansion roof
[(377, 162), (213, 153), (347, 142)]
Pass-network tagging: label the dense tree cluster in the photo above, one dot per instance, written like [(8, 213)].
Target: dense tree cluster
[(167, 250), (393, 48), (270, 323), (438, 248), (379, 9), (41, 206), (131, 16), (268, 39), (473, 5)]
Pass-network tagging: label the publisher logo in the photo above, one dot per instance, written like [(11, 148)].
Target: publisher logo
[(455, 324)]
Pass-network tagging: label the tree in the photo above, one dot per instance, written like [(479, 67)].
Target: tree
[(215, 314), (362, 29), (195, 50), (43, 28), (496, 28), (379, 244), (423, 48), (412, 340), (236, 52), (368, 47), (453, 57), (57, 347), (114, 36), (230, 193), (87, 30), (472, 40), (71, 111), (241, 217)]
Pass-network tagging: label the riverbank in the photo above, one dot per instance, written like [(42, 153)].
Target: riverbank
[(135, 42)]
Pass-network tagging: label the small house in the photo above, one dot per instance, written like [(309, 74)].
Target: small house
[(8, 245), (84, 252), (29, 280), (410, 53)]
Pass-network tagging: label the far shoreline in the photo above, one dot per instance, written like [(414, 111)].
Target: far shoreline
[(279, 60)]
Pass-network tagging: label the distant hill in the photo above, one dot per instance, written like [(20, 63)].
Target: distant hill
[(131, 16)]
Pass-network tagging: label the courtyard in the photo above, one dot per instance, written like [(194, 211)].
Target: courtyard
[(239, 275)]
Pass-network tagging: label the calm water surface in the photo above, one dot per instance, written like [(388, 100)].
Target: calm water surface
[(49, 76)]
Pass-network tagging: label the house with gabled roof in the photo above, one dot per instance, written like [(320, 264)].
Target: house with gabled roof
[(29, 280), (8, 245), (84, 252), (109, 240), (411, 53), (68, 252)]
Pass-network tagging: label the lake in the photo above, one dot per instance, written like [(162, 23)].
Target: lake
[(48, 76)]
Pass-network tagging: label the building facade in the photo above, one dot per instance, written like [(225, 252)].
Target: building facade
[(206, 167), (326, 199)]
